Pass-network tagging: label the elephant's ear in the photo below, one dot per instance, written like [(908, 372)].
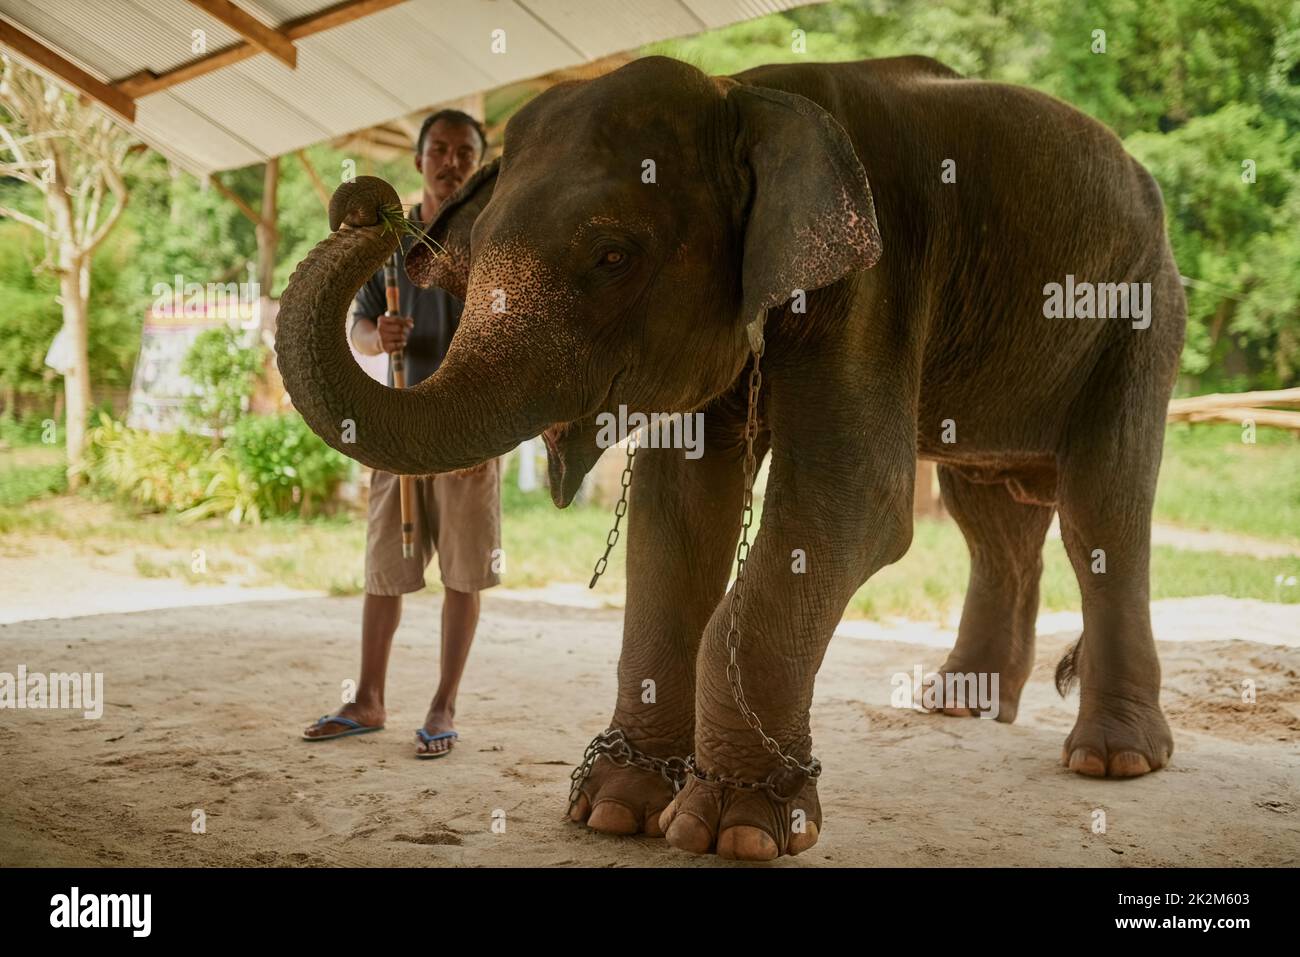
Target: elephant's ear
[(446, 264), (811, 217)]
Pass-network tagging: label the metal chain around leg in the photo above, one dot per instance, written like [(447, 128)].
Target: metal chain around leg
[(787, 780), (614, 745), (613, 742)]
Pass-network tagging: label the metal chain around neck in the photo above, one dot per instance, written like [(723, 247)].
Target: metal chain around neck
[(619, 511)]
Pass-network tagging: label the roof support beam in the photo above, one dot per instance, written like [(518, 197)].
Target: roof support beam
[(335, 16), (317, 183), (147, 82), (250, 214), (251, 29), (31, 49)]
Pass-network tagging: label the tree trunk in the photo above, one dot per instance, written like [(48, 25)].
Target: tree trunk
[(73, 279)]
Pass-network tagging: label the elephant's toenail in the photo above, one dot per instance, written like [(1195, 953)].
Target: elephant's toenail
[(744, 843), (1083, 761), (1129, 764), (689, 833), (613, 817)]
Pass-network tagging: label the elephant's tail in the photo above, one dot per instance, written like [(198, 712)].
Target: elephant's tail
[(1066, 673)]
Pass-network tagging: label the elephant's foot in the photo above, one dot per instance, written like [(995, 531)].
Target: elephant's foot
[(967, 690), (1118, 738), (624, 799), (744, 825)]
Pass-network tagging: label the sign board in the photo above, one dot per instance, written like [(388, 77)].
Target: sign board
[(159, 388)]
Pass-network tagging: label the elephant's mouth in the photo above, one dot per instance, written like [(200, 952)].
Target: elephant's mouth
[(571, 451), (562, 492)]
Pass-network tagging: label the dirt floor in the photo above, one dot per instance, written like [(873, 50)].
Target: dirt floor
[(204, 707)]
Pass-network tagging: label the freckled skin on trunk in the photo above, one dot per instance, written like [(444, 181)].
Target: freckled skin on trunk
[(452, 420)]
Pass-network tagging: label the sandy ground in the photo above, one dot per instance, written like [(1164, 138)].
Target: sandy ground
[(204, 705)]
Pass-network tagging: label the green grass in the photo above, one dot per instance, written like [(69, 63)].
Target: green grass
[(544, 544), (1210, 479), (31, 471), (930, 581), (26, 483)]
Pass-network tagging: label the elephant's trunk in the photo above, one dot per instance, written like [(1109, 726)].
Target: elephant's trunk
[(448, 422)]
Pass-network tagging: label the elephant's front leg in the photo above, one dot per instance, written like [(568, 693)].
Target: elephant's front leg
[(836, 510), (683, 525)]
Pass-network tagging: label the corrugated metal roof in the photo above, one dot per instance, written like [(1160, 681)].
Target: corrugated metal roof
[(372, 70)]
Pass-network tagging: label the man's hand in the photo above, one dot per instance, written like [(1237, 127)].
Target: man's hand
[(393, 332), (382, 335)]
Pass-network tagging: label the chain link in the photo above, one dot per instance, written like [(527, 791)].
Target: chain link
[(619, 511), (784, 782), (615, 746)]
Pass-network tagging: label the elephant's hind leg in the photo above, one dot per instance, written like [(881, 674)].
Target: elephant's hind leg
[(1107, 490), (996, 639)]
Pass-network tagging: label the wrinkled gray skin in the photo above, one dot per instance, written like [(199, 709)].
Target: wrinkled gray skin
[(923, 305)]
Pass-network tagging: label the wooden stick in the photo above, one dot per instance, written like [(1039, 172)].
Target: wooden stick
[(405, 483), (1239, 400), (1273, 418)]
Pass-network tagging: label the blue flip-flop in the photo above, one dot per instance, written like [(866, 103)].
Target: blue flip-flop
[(428, 739), (353, 727)]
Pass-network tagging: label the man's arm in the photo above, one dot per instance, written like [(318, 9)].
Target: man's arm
[(365, 335)]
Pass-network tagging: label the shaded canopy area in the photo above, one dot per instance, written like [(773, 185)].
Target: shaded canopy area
[(218, 85)]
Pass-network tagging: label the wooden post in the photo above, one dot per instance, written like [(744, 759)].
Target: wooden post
[(267, 233)]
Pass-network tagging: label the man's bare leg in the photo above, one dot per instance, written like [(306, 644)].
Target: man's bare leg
[(380, 616), (459, 621)]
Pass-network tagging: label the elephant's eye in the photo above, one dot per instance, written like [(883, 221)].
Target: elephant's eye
[(614, 257)]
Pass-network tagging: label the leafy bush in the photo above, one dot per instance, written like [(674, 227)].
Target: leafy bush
[(270, 465), (231, 493), (293, 469), (157, 470), (224, 372)]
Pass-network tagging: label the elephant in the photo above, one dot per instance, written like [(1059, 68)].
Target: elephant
[(881, 247)]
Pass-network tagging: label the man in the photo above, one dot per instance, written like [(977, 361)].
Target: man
[(458, 514)]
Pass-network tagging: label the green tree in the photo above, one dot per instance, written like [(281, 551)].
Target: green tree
[(224, 372), (73, 156)]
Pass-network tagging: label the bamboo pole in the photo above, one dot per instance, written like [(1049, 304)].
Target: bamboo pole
[(1179, 408), (405, 483)]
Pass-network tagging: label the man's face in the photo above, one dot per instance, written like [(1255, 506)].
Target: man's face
[(451, 151)]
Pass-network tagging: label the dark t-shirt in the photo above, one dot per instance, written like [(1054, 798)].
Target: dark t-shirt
[(435, 311)]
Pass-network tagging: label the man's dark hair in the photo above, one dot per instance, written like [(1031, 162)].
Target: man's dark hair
[(458, 117)]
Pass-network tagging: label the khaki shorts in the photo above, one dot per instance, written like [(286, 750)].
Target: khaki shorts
[(459, 518)]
